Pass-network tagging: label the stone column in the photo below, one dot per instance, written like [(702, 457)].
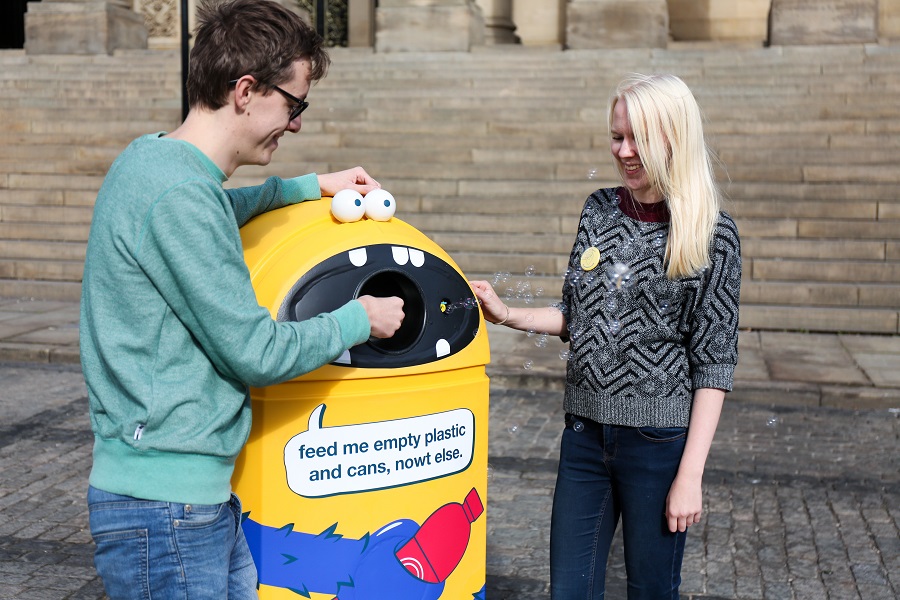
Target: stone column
[(428, 26), (617, 24), (498, 24), (540, 22), (360, 23), (889, 19), (82, 27), (810, 22)]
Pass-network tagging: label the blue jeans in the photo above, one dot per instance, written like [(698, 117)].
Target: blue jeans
[(169, 551), (607, 472)]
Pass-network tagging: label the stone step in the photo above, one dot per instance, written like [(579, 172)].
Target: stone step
[(460, 242), (34, 151), (516, 225), (849, 271), (831, 319), (60, 167), (733, 158), (42, 249), (790, 193), (44, 231), (66, 291), (43, 270), (793, 293), (66, 215), (45, 197), (752, 248), (820, 249), (87, 116)]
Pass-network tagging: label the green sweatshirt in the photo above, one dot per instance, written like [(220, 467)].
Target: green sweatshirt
[(171, 331)]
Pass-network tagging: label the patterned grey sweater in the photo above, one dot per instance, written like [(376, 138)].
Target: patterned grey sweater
[(639, 343)]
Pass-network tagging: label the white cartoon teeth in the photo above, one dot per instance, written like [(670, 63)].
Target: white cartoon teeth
[(358, 257), (402, 255), (416, 257)]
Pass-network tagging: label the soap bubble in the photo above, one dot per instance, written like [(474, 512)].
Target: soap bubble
[(613, 326), (530, 333), (773, 422), (490, 471), (529, 271), (470, 303), (592, 174), (513, 429), (574, 276), (618, 276), (564, 354), (612, 304), (541, 342), (528, 365), (529, 318), (659, 241), (538, 292), (529, 298)]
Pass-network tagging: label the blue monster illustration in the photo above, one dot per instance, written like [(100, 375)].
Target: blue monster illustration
[(402, 560), (329, 563)]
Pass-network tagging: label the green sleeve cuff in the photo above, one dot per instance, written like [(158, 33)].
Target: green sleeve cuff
[(354, 323), (305, 187)]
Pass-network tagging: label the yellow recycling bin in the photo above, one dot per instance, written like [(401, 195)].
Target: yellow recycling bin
[(366, 479)]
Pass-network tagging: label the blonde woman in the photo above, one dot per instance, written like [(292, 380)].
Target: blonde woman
[(650, 309)]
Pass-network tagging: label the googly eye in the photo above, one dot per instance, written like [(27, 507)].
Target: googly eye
[(348, 206), (380, 205)]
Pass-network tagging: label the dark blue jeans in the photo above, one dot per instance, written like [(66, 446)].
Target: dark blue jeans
[(607, 472), (170, 551)]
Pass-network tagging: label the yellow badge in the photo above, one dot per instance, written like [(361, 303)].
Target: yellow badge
[(590, 258)]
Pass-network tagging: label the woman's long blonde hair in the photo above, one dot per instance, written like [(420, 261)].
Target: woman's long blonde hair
[(668, 131)]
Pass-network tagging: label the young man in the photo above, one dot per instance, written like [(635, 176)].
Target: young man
[(171, 332)]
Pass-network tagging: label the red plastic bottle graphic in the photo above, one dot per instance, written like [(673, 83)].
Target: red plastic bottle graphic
[(439, 545)]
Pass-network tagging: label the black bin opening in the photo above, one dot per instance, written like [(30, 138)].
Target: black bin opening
[(384, 284)]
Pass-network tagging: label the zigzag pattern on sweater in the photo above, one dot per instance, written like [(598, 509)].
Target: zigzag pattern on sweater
[(641, 343)]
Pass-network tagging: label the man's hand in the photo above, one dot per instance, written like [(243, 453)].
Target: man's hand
[(385, 314), (352, 179)]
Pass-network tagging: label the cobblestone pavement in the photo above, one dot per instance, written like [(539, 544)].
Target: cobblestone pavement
[(801, 502)]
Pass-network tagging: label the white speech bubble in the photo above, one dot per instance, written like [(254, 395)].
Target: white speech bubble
[(325, 461)]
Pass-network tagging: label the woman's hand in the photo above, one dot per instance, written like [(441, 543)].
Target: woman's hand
[(544, 319), (684, 504), (492, 306)]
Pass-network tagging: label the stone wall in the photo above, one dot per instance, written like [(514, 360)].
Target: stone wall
[(719, 20), (810, 22)]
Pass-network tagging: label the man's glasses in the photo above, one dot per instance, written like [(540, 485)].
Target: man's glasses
[(299, 105)]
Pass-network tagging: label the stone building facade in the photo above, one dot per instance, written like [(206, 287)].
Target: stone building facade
[(97, 26)]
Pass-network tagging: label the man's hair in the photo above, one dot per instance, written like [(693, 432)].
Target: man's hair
[(248, 37)]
